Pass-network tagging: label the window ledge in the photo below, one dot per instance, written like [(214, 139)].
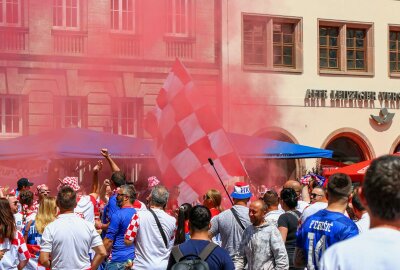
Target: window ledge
[(272, 69), (394, 75), (172, 38), (122, 34), (14, 29), (68, 31), (7, 136), (346, 73)]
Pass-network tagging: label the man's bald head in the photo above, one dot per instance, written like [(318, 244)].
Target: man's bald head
[(257, 211), (293, 184)]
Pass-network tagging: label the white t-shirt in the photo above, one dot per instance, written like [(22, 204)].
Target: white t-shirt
[(363, 223), (273, 216), (85, 208), (69, 240), (377, 249), (312, 209), (151, 252), (16, 252)]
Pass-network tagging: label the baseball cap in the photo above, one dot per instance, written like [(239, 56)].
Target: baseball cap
[(24, 182)]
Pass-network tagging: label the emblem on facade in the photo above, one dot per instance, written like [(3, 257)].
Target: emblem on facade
[(384, 117)]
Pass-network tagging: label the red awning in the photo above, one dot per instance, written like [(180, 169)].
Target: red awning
[(355, 171)]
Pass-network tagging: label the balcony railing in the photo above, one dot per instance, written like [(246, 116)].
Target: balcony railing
[(69, 42), (179, 47), (13, 39), (125, 45)]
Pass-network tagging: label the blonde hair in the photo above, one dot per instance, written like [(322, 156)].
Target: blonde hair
[(215, 197), (46, 214)]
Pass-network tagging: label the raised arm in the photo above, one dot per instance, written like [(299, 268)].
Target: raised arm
[(103, 191), (95, 182), (113, 165)]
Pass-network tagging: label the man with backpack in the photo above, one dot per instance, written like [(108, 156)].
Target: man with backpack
[(230, 224), (198, 251)]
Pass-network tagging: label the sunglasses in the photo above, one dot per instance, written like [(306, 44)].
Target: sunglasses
[(121, 194), (313, 195)]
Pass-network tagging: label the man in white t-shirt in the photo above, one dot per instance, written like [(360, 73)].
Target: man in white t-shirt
[(66, 242), (379, 247), (318, 202), (271, 200), (152, 252)]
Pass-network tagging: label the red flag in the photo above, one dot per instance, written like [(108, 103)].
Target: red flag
[(186, 134)]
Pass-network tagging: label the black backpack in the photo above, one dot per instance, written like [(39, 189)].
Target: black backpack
[(191, 261)]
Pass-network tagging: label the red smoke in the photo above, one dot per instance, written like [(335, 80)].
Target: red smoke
[(99, 75)]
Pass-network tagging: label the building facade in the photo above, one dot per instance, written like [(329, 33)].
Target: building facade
[(314, 73), (99, 64)]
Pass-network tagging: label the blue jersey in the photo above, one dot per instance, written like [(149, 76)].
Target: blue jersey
[(320, 231), (120, 221)]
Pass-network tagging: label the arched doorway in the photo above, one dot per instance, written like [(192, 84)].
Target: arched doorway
[(272, 172), (348, 148), (397, 148)]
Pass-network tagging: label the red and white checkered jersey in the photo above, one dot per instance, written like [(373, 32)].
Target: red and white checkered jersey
[(132, 229), (187, 133), (17, 251)]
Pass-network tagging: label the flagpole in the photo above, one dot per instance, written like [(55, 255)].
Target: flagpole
[(212, 164)]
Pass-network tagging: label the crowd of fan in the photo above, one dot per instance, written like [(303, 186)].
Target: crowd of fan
[(304, 225)]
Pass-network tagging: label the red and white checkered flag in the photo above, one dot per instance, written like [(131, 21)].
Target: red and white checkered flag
[(186, 133)]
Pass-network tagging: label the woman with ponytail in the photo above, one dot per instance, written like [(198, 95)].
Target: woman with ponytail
[(182, 231), (287, 222)]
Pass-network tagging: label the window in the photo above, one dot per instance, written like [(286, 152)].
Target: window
[(66, 14), (127, 116), (283, 44), (272, 43), (70, 112), (345, 48), (178, 17), (123, 15), (11, 115), (329, 47), (394, 51), (356, 49), (255, 41), (10, 12)]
